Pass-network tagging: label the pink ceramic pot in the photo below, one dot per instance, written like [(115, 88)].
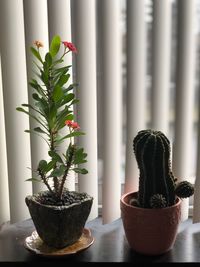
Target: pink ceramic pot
[(150, 231)]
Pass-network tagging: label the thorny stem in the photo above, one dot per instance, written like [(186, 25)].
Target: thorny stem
[(69, 163), (42, 175), (55, 179), (52, 133)]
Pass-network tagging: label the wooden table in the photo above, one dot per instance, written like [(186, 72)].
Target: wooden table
[(110, 245)]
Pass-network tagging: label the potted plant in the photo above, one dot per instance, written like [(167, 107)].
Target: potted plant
[(59, 215), (151, 216)]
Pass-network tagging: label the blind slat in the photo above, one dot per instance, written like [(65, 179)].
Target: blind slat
[(4, 193), (161, 34), (184, 94), (135, 96), (83, 35), (36, 28), (110, 40), (15, 93)]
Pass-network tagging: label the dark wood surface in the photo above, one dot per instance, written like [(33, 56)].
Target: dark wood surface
[(110, 245)]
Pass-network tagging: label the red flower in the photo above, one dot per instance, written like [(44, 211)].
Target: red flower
[(70, 46), (71, 124), (75, 125)]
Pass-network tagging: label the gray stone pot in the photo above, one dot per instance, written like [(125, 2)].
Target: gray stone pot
[(59, 226)]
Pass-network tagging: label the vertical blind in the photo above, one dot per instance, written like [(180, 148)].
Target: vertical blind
[(36, 28), (14, 84), (111, 85), (136, 93), (84, 36), (161, 35), (110, 66), (184, 93)]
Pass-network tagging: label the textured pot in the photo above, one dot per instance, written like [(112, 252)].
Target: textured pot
[(150, 231), (59, 226)]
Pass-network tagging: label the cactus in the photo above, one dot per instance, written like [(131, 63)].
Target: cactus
[(184, 189), (157, 184), (134, 202), (158, 201)]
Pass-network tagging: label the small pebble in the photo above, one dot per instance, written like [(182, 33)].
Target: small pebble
[(69, 197)]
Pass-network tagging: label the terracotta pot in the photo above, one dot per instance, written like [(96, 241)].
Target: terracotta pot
[(150, 231), (59, 226)]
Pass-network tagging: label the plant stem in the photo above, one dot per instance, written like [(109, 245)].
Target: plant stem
[(51, 131), (69, 163), (52, 147), (45, 181)]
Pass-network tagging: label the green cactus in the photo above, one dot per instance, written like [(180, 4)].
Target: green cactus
[(158, 201), (157, 184), (184, 189), (134, 202)]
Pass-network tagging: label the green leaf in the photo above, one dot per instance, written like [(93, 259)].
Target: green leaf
[(59, 61), (62, 117), (57, 93), (31, 107), (48, 59), (21, 109), (33, 180), (70, 87), (55, 45), (39, 130), (79, 156), (69, 135), (38, 88), (43, 106), (28, 106), (63, 111), (55, 156), (58, 171), (61, 124), (36, 54), (50, 165), (63, 79), (79, 170), (70, 117), (75, 134), (42, 165), (36, 97), (74, 102), (63, 70), (80, 161), (37, 66), (67, 98), (34, 84), (52, 116), (45, 77)]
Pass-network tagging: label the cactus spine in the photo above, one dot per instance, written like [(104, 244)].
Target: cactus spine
[(156, 182)]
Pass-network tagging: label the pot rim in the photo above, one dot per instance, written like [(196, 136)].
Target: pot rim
[(60, 207), (178, 202)]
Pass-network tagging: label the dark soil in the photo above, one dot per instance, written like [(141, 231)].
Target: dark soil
[(69, 197)]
